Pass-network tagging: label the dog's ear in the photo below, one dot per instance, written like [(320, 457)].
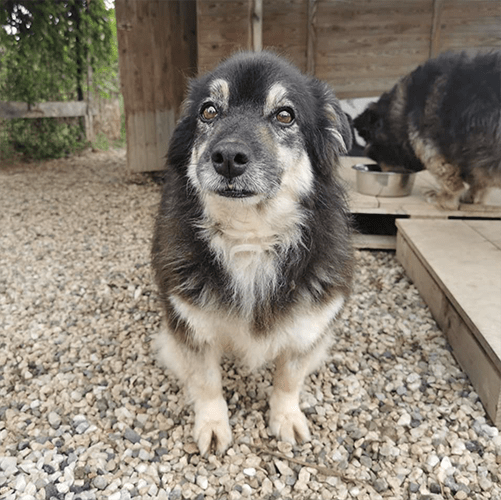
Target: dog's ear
[(340, 125), (331, 137)]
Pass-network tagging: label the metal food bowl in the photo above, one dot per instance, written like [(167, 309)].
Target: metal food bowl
[(372, 181)]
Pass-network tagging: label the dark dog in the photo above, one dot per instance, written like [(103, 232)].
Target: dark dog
[(252, 248), (446, 117)]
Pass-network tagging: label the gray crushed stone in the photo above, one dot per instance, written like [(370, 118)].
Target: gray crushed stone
[(86, 413)]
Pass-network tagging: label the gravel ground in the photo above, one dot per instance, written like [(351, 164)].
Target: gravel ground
[(85, 412)]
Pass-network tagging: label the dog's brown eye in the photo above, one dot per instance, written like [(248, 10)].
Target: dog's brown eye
[(285, 116), (209, 112)]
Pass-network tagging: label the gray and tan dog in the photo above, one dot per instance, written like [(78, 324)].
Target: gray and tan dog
[(445, 116), (252, 250)]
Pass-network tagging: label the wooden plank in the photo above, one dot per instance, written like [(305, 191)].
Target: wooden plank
[(285, 29), (311, 44), (386, 17), (364, 48), (488, 229), (475, 292), (432, 252), (436, 28), (10, 110), (374, 242), (146, 56), (257, 25), (469, 24), (124, 12), (223, 27)]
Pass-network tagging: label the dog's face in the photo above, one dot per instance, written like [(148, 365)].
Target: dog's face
[(383, 126), (254, 126), (372, 125)]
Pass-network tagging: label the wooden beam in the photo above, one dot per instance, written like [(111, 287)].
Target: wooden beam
[(89, 119), (11, 110), (374, 242), (436, 28), (311, 43), (257, 25)]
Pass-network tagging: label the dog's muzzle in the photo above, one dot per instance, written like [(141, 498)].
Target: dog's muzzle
[(230, 159)]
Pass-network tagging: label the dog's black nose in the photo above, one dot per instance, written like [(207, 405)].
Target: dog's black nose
[(230, 158)]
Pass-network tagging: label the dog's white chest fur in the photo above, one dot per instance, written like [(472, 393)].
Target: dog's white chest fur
[(248, 240)]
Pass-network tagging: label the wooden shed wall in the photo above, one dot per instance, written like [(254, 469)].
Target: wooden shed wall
[(361, 47), (223, 27)]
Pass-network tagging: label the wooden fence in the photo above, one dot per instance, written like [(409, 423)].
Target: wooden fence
[(361, 47), (69, 109)]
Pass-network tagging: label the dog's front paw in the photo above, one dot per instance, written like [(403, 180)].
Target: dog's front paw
[(212, 427), (442, 199), (430, 195), (287, 421)]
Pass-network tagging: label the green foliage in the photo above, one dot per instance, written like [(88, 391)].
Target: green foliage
[(105, 74), (46, 47), (42, 138)]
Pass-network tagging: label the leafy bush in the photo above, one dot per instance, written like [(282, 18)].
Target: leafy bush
[(42, 138), (45, 50)]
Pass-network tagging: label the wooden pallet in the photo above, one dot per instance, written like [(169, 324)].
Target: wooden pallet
[(382, 211), (456, 266)]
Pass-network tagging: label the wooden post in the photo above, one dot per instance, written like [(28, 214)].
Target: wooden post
[(436, 28), (88, 118), (311, 45), (257, 25), (156, 57)]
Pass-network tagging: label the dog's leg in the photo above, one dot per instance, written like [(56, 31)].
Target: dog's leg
[(451, 185), (212, 426), (450, 181), (287, 421), (447, 175), (447, 198), (200, 373)]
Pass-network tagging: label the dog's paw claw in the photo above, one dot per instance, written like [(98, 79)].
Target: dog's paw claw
[(214, 435), (442, 199), (430, 195), (212, 428), (291, 427)]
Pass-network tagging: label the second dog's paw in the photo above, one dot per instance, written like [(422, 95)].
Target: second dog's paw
[(468, 197), (442, 199), (430, 195), (212, 427)]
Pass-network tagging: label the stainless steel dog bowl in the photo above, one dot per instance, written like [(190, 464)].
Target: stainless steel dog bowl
[(372, 181)]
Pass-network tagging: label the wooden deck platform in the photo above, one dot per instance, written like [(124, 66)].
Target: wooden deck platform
[(456, 266), (378, 214)]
